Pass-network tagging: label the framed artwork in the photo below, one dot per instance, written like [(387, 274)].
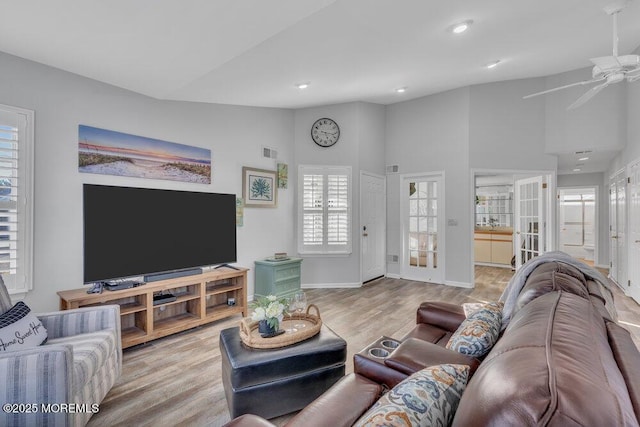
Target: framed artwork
[(109, 152), (239, 211), (283, 175), (259, 188)]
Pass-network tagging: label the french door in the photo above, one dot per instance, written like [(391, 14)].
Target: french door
[(634, 231), (529, 219), (422, 228)]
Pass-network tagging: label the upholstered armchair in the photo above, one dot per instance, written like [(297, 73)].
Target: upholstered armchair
[(62, 381)]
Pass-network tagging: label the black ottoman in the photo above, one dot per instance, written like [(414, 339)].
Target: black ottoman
[(275, 382)]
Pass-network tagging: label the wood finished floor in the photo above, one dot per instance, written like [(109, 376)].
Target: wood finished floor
[(176, 380)]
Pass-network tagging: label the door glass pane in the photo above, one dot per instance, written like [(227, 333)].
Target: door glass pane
[(423, 223)]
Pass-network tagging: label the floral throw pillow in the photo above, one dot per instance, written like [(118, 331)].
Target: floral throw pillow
[(429, 397), (479, 332)]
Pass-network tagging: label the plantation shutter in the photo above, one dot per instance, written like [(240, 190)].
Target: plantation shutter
[(324, 210), (15, 198)]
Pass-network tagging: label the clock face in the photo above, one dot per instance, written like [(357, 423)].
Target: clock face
[(325, 132)]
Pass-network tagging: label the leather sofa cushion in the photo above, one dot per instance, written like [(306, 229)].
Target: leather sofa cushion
[(414, 354), (553, 366), (549, 277), (341, 405)]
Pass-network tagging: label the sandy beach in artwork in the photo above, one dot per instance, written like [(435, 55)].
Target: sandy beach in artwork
[(145, 169)]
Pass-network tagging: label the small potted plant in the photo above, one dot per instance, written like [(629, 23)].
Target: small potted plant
[(268, 312)]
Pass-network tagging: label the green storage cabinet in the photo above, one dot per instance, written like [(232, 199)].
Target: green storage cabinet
[(280, 278)]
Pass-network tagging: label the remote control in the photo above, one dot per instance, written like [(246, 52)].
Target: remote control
[(96, 288)]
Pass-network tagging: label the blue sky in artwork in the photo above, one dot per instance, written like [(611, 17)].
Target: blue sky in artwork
[(109, 138)]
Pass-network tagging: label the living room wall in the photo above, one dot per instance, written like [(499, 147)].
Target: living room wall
[(361, 146), (62, 101)]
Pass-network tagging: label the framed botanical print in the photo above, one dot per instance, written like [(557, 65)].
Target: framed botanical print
[(259, 188)]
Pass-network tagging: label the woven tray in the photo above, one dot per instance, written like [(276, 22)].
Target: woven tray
[(251, 337)]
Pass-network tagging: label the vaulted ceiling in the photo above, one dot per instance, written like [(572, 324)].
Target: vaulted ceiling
[(255, 52)]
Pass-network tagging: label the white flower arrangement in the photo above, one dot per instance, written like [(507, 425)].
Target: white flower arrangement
[(268, 308)]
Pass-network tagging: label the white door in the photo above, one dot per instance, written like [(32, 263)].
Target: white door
[(634, 231), (373, 225), (613, 243), (529, 219), (422, 228), (618, 234)]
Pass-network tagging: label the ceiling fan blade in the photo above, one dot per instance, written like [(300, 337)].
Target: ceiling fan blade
[(586, 82), (588, 95), (606, 63)]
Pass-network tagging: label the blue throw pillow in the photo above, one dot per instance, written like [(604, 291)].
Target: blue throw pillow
[(477, 334)]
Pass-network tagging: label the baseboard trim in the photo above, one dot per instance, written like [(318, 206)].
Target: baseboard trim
[(602, 266), (393, 276), (459, 284), (331, 285)]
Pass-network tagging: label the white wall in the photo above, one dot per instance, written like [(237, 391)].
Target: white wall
[(431, 134), (361, 147), (62, 101), (600, 123), (506, 131)]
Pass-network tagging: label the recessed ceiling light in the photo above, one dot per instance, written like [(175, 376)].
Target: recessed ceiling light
[(576, 170), (401, 90), (302, 85), (493, 64), (582, 159), (460, 27)]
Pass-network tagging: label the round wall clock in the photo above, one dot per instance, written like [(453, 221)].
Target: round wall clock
[(325, 132)]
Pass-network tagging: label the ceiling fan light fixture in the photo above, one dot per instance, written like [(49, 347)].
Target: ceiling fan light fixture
[(461, 27)]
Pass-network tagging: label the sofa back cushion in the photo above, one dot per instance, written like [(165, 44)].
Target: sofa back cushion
[(552, 366), (549, 277)]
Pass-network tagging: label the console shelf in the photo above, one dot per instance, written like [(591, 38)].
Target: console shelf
[(201, 298)]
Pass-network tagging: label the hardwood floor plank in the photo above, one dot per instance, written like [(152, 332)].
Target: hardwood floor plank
[(176, 380)]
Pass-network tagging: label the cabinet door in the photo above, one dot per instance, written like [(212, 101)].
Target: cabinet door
[(501, 250), (482, 249)]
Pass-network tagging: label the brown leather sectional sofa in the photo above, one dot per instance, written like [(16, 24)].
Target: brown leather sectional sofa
[(562, 361)]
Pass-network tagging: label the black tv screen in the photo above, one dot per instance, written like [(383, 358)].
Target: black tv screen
[(138, 231)]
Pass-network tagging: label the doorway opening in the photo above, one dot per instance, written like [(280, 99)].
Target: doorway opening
[(577, 223)]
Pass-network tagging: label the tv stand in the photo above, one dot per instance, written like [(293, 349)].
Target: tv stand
[(199, 299)]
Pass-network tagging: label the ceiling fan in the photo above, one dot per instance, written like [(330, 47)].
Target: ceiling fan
[(607, 69)]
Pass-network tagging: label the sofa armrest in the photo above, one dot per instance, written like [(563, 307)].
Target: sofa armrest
[(66, 323), (341, 405), (38, 375), (376, 371), (442, 314), (414, 354)]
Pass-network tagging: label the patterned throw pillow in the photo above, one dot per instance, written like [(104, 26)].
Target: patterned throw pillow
[(20, 329), (479, 332), (429, 397)]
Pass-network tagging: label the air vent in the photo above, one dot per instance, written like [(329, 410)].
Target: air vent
[(393, 169), (392, 259), (583, 152), (269, 153)]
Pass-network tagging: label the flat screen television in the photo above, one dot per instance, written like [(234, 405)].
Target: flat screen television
[(140, 231)]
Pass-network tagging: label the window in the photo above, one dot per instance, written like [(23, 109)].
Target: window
[(16, 199), (324, 210)]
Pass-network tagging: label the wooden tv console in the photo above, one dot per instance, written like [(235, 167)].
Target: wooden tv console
[(200, 299)]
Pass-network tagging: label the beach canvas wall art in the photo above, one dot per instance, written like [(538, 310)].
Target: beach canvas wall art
[(109, 152)]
